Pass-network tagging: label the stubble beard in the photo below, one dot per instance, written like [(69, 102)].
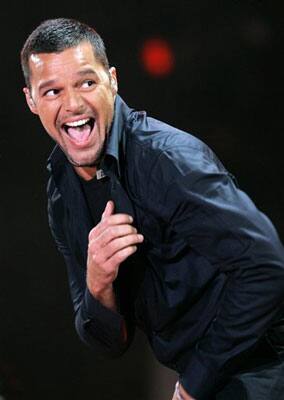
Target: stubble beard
[(95, 160)]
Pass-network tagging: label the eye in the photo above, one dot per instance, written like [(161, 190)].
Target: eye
[(88, 83), (51, 92)]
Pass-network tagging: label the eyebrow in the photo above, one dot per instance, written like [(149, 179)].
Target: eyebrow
[(87, 71), (84, 72), (45, 84)]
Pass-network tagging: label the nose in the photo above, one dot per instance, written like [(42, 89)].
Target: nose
[(72, 101)]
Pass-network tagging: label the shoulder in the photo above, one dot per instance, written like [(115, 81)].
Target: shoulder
[(157, 136), (159, 155), (155, 146)]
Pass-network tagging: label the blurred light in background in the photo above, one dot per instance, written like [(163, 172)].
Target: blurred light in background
[(157, 57)]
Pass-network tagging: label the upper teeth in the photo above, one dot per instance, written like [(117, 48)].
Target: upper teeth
[(77, 123)]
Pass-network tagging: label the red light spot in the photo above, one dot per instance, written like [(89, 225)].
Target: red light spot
[(157, 57)]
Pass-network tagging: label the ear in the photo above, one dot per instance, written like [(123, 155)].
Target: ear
[(30, 100), (113, 80)]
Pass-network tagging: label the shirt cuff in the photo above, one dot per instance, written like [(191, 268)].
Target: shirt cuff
[(199, 380), (100, 322)]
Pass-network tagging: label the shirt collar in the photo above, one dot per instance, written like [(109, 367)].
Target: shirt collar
[(116, 136)]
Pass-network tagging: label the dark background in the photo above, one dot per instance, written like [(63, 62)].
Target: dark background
[(226, 89)]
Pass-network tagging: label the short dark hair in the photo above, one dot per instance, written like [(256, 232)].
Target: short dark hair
[(58, 34)]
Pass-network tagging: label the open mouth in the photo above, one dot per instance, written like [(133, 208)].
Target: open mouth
[(79, 130)]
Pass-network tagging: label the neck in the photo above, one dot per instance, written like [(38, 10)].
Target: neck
[(87, 173)]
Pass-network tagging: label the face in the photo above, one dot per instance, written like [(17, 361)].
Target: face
[(73, 95)]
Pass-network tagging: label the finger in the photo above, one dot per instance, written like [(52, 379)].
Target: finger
[(109, 209), (119, 244), (107, 221), (101, 239), (176, 392), (102, 254), (120, 256)]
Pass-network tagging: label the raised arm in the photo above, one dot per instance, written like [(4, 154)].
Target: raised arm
[(98, 322)]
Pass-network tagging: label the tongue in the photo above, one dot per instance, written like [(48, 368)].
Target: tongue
[(80, 134)]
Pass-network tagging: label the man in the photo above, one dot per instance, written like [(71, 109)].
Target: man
[(153, 229)]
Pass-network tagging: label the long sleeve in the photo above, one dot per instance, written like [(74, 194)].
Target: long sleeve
[(206, 210), (96, 325)]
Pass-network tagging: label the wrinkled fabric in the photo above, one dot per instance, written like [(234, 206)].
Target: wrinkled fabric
[(208, 281)]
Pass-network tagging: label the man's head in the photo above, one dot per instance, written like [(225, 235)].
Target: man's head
[(56, 35), (70, 87)]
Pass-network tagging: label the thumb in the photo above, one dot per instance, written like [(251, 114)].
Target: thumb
[(109, 209)]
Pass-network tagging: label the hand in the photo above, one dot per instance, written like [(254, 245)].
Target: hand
[(180, 393), (111, 242)]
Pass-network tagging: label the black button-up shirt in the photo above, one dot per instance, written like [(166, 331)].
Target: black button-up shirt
[(208, 281)]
